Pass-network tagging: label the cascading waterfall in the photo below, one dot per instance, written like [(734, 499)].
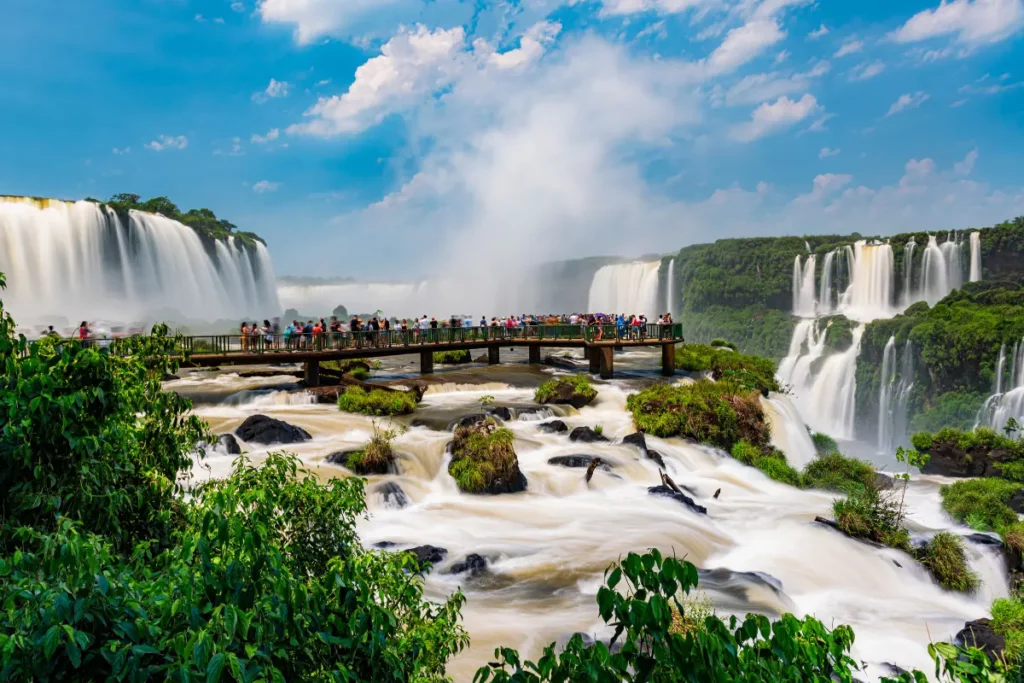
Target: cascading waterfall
[(77, 260), (897, 380), (975, 243), (938, 277), (630, 288), (825, 287), (789, 433), (671, 287), (803, 287), (908, 272), (1007, 399), (870, 293)]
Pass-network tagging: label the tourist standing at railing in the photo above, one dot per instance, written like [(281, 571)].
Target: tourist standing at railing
[(268, 335), (244, 333)]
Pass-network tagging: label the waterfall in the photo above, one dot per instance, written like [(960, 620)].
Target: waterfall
[(789, 433), (975, 240), (825, 286), (908, 272), (803, 287), (869, 295), (68, 261), (897, 380), (941, 269), (630, 288), (807, 246), (833, 393), (671, 286), (1007, 399)]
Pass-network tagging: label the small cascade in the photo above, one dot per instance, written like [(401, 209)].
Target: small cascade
[(897, 380), (833, 392), (807, 246), (908, 272), (789, 433), (870, 294), (1007, 399), (670, 286), (630, 288), (937, 280), (975, 243), (825, 305), (803, 287)]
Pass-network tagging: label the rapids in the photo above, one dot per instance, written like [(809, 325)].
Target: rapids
[(547, 548)]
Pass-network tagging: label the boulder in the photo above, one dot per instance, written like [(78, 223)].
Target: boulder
[(553, 427), (428, 553), (579, 460), (562, 362), (468, 420), (677, 496), (736, 583), (656, 457), (168, 377), (979, 634), (566, 394), (586, 435), (949, 460), (267, 430), (500, 412), (229, 444), (883, 481), (394, 496), (340, 458), (473, 564), (636, 439), (484, 461), (482, 358)]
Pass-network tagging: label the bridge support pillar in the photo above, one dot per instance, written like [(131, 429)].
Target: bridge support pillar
[(493, 355), (668, 359), (594, 356), (586, 353), (618, 347), (311, 373), (534, 354), (426, 362), (606, 362)]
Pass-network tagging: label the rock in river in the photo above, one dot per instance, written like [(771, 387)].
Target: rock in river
[(579, 460), (586, 435), (473, 564), (267, 430), (553, 427), (677, 496), (229, 444), (394, 496)]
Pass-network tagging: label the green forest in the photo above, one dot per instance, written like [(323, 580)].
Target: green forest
[(203, 221)]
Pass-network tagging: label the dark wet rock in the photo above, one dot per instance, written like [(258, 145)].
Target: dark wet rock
[(980, 634), (984, 539), (270, 373), (1017, 501), (883, 481), (500, 412), (553, 427), (384, 545), (724, 579), (229, 444), (579, 460), (586, 435), (835, 527), (168, 377), (340, 458), (947, 458), (468, 420), (568, 394), (562, 362), (429, 553), (473, 564), (267, 430), (392, 493), (656, 457), (636, 439), (482, 358), (677, 496)]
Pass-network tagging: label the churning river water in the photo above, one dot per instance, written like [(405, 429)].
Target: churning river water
[(547, 548)]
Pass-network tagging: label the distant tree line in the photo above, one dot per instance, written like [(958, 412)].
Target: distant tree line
[(203, 221)]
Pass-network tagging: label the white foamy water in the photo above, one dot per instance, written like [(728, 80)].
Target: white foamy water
[(76, 260), (630, 288), (548, 547)]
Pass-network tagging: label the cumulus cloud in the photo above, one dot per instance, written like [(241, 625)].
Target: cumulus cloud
[(971, 23), (863, 72), (819, 32), (164, 142), (772, 117), (274, 90), (624, 7), (531, 46), (271, 135), (908, 101), (966, 167), (313, 19), (849, 47), (264, 186), (827, 152), (743, 44), (238, 6), (757, 88)]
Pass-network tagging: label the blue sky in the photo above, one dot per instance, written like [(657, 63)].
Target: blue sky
[(391, 138)]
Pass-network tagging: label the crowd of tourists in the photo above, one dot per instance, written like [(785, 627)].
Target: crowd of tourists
[(316, 333)]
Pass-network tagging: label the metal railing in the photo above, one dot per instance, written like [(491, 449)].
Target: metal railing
[(419, 339)]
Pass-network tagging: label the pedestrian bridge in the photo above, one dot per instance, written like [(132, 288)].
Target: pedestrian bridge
[(597, 341)]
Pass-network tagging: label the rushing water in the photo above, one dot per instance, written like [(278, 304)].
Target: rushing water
[(630, 288), (975, 244), (670, 288), (803, 287), (896, 382), (76, 260), (547, 548), (1007, 399)]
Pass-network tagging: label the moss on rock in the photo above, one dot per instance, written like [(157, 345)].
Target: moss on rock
[(355, 399), (575, 390), (484, 460), (453, 357), (750, 372)]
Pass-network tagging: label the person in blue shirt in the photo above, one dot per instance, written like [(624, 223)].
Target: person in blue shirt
[(620, 325)]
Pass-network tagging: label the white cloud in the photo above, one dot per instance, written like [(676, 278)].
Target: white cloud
[(167, 142), (819, 32), (973, 23), (966, 167), (274, 90), (315, 18), (218, 20), (757, 88), (742, 44), (322, 83), (531, 46), (827, 183), (827, 152), (200, 18), (781, 57), (624, 7), (271, 135), (769, 118), (863, 72), (908, 101), (412, 65), (990, 86), (238, 6), (122, 150), (849, 47), (819, 124), (264, 186), (958, 103)]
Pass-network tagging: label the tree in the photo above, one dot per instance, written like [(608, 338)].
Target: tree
[(340, 312), (161, 205)]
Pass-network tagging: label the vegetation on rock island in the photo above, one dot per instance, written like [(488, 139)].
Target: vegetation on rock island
[(380, 402), (377, 456), (574, 390), (750, 372), (484, 460), (453, 357), (973, 453), (203, 221), (824, 444)]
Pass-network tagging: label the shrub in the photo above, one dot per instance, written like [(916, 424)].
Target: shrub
[(981, 503), (778, 469), (692, 613), (824, 444), (453, 357), (945, 557), (953, 409), (722, 343), (872, 515), (576, 390), (362, 374), (835, 472), (749, 372), (377, 456), (717, 413), (376, 401), (746, 452), (484, 460), (1008, 621)]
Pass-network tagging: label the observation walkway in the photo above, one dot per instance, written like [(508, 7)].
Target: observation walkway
[(597, 341)]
